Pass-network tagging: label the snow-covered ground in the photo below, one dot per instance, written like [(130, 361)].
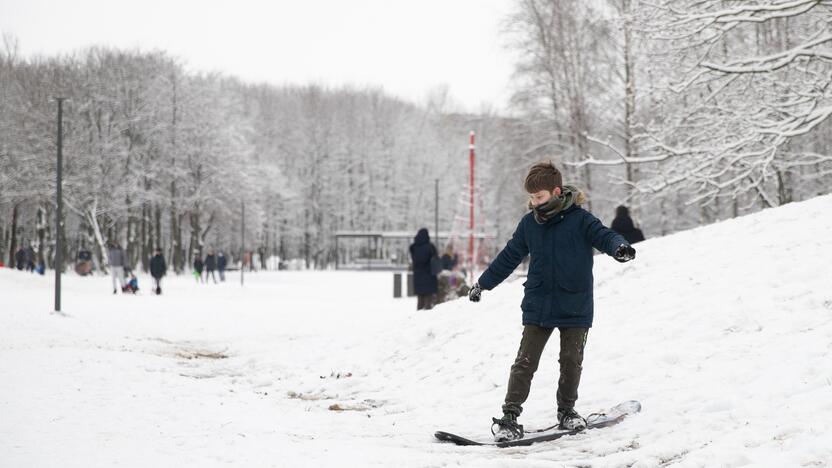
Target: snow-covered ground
[(724, 333)]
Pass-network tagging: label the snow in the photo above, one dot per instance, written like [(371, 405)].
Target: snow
[(723, 333)]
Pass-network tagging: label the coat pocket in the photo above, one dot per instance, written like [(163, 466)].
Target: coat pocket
[(532, 295), (532, 283), (575, 298), (531, 303)]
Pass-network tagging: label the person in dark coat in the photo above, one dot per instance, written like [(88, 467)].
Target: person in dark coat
[(261, 253), (222, 264), (30, 258), (623, 225), (560, 236), (158, 269), (424, 282), (210, 265), (198, 265), (20, 258)]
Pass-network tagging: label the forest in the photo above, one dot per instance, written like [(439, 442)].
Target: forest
[(688, 112)]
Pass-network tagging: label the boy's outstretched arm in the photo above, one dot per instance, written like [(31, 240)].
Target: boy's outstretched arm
[(507, 260), (606, 240)]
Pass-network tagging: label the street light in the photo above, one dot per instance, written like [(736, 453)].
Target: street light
[(60, 202)]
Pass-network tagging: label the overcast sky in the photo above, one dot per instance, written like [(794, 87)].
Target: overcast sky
[(408, 47)]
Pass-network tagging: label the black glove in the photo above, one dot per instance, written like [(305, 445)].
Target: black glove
[(624, 253), (474, 293)]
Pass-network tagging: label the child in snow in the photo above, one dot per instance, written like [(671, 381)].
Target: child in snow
[(132, 285), (559, 235)]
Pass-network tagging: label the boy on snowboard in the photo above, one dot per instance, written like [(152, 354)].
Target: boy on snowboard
[(559, 235)]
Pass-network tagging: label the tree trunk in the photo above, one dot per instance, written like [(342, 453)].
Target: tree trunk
[(92, 218), (283, 230), (307, 240), (41, 232), (131, 247), (784, 192), (158, 226), (175, 233), (195, 246), (13, 242), (629, 94), (4, 235), (146, 234)]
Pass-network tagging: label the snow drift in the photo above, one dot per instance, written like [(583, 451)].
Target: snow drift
[(724, 333)]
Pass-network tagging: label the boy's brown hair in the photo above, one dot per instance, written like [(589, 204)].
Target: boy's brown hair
[(543, 176)]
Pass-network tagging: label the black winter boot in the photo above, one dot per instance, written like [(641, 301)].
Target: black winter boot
[(506, 428), (569, 419)]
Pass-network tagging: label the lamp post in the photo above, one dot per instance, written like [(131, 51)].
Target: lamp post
[(59, 260), (471, 158)]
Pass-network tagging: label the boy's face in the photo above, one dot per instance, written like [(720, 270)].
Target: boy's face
[(541, 197)]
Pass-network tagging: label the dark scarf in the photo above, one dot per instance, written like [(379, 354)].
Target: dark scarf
[(569, 196)]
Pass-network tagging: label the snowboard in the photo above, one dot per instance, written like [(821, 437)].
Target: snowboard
[(610, 417)]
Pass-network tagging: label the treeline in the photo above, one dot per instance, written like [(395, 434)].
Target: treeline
[(687, 111), (159, 156)]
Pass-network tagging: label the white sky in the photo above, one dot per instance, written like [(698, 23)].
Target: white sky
[(408, 47)]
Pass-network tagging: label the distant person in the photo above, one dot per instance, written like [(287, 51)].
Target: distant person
[(424, 280), (248, 260), (261, 253), (198, 265), (40, 269), (30, 258), (132, 285), (158, 269), (83, 266), (20, 258), (623, 225), (449, 258), (210, 265), (117, 260), (222, 264)]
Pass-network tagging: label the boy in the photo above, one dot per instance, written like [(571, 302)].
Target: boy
[(559, 235)]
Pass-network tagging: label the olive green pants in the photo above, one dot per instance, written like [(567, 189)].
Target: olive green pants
[(572, 343)]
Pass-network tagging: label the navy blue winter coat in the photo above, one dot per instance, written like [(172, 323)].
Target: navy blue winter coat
[(158, 267), (421, 252), (558, 291)]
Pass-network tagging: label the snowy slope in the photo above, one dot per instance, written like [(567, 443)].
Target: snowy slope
[(724, 333)]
